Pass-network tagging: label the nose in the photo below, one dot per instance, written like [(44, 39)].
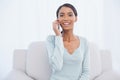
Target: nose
[(65, 18)]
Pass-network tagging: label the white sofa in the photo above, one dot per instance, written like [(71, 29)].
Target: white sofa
[(32, 64)]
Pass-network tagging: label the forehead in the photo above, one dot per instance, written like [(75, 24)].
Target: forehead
[(65, 10)]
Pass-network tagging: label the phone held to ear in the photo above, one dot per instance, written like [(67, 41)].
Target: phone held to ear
[(60, 29)]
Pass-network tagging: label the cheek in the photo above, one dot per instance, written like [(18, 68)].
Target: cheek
[(73, 20), (60, 19)]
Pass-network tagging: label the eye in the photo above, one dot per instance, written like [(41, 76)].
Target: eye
[(70, 15), (61, 15)]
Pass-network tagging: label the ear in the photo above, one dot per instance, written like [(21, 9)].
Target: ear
[(75, 19)]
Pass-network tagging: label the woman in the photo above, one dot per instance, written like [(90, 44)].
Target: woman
[(68, 53)]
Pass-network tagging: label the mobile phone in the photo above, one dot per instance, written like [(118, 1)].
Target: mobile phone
[(59, 27)]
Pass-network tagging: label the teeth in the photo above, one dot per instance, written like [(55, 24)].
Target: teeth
[(66, 23)]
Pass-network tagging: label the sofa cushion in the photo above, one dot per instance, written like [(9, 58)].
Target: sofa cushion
[(95, 61), (37, 65), (106, 63)]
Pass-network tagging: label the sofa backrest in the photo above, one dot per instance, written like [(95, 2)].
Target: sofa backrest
[(37, 65), (95, 61)]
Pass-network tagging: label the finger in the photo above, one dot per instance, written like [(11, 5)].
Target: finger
[(55, 22), (58, 20)]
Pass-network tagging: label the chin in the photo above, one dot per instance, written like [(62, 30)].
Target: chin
[(66, 29)]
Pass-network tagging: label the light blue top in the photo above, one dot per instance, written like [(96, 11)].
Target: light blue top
[(67, 66)]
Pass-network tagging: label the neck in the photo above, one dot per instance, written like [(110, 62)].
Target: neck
[(68, 36)]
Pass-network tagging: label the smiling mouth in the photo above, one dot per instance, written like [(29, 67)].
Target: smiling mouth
[(66, 24)]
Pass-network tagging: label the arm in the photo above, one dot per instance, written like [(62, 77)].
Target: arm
[(85, 65), (55, 50)]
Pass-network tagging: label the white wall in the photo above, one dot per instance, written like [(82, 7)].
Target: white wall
[(8, 36), (111, 30), (25, 21)]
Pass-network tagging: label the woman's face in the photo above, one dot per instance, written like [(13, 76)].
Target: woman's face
[(66, 18)]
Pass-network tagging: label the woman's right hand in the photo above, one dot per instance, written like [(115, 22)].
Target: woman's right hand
[(55, 27)]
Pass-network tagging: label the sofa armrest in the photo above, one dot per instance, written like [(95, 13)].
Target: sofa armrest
[(19, 59), (106, 60), (17, 75)]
